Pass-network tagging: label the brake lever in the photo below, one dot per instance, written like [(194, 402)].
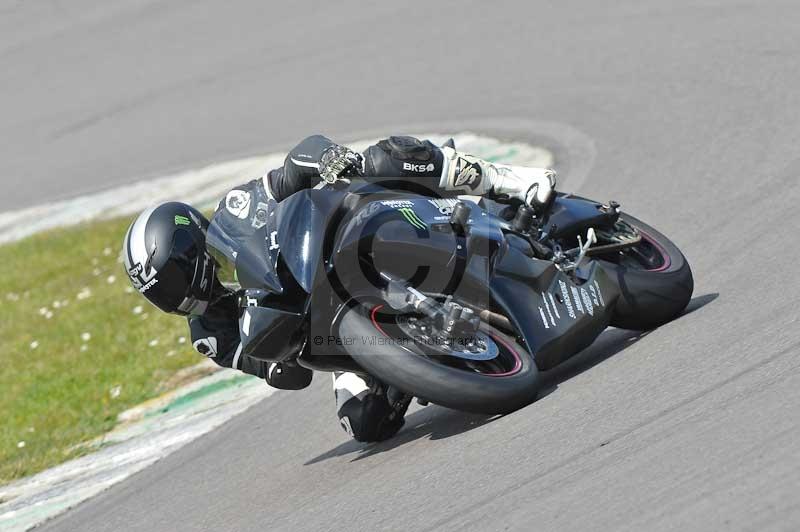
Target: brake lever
[(591, 238)]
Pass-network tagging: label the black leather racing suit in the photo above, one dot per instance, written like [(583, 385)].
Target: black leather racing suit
[(367, 409), (398, 162)]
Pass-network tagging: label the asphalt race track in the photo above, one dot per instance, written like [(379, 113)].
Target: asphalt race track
[(692, 115)]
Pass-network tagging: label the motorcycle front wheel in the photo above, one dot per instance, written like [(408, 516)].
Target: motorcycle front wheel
[(377, 341)]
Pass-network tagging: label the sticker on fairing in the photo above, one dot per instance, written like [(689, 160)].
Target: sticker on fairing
[(555, 308), (412, 218), (599, 294), (445, 205), (576, 297), (587, 302), (544, 318), (396, 204), (549, 312), (567, 301), (595, 299)]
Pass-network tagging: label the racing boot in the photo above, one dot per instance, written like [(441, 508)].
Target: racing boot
[(368, 410), (472, 175)]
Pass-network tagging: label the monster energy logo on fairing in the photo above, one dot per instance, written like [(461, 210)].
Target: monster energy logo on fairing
[(412, 218), (181, 220)]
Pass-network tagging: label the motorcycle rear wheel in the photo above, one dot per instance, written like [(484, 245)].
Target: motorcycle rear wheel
[(654, 279)]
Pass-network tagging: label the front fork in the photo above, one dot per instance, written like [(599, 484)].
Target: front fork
[(451, 320)]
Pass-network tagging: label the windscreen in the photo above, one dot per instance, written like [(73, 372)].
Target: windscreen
[(243, 256)]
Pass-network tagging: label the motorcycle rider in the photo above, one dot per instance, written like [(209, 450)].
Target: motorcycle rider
[(167, 261)]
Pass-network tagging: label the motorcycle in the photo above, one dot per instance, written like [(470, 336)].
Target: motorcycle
[(461, 302)]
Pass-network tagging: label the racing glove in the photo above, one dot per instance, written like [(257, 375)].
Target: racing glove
[(339, 162)]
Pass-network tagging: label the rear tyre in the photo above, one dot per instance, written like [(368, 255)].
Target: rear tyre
[(507, 384), (654, 279)]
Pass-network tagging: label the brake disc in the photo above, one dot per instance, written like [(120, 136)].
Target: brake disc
[(478, 346)]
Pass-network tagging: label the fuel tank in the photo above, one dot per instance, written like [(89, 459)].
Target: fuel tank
[(411, 238)]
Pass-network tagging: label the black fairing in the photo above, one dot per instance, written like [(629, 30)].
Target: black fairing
[(276, 268), (271, 333), (410, 237), (245, 261), (555, 316), (572, 215), (298, 226), (321, 249)]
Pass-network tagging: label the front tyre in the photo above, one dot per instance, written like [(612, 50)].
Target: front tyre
[(654, 279), (377, 343)]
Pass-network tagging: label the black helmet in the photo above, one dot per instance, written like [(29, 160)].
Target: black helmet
[(166, 258)]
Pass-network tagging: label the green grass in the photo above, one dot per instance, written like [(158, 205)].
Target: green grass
[(58, 388)]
